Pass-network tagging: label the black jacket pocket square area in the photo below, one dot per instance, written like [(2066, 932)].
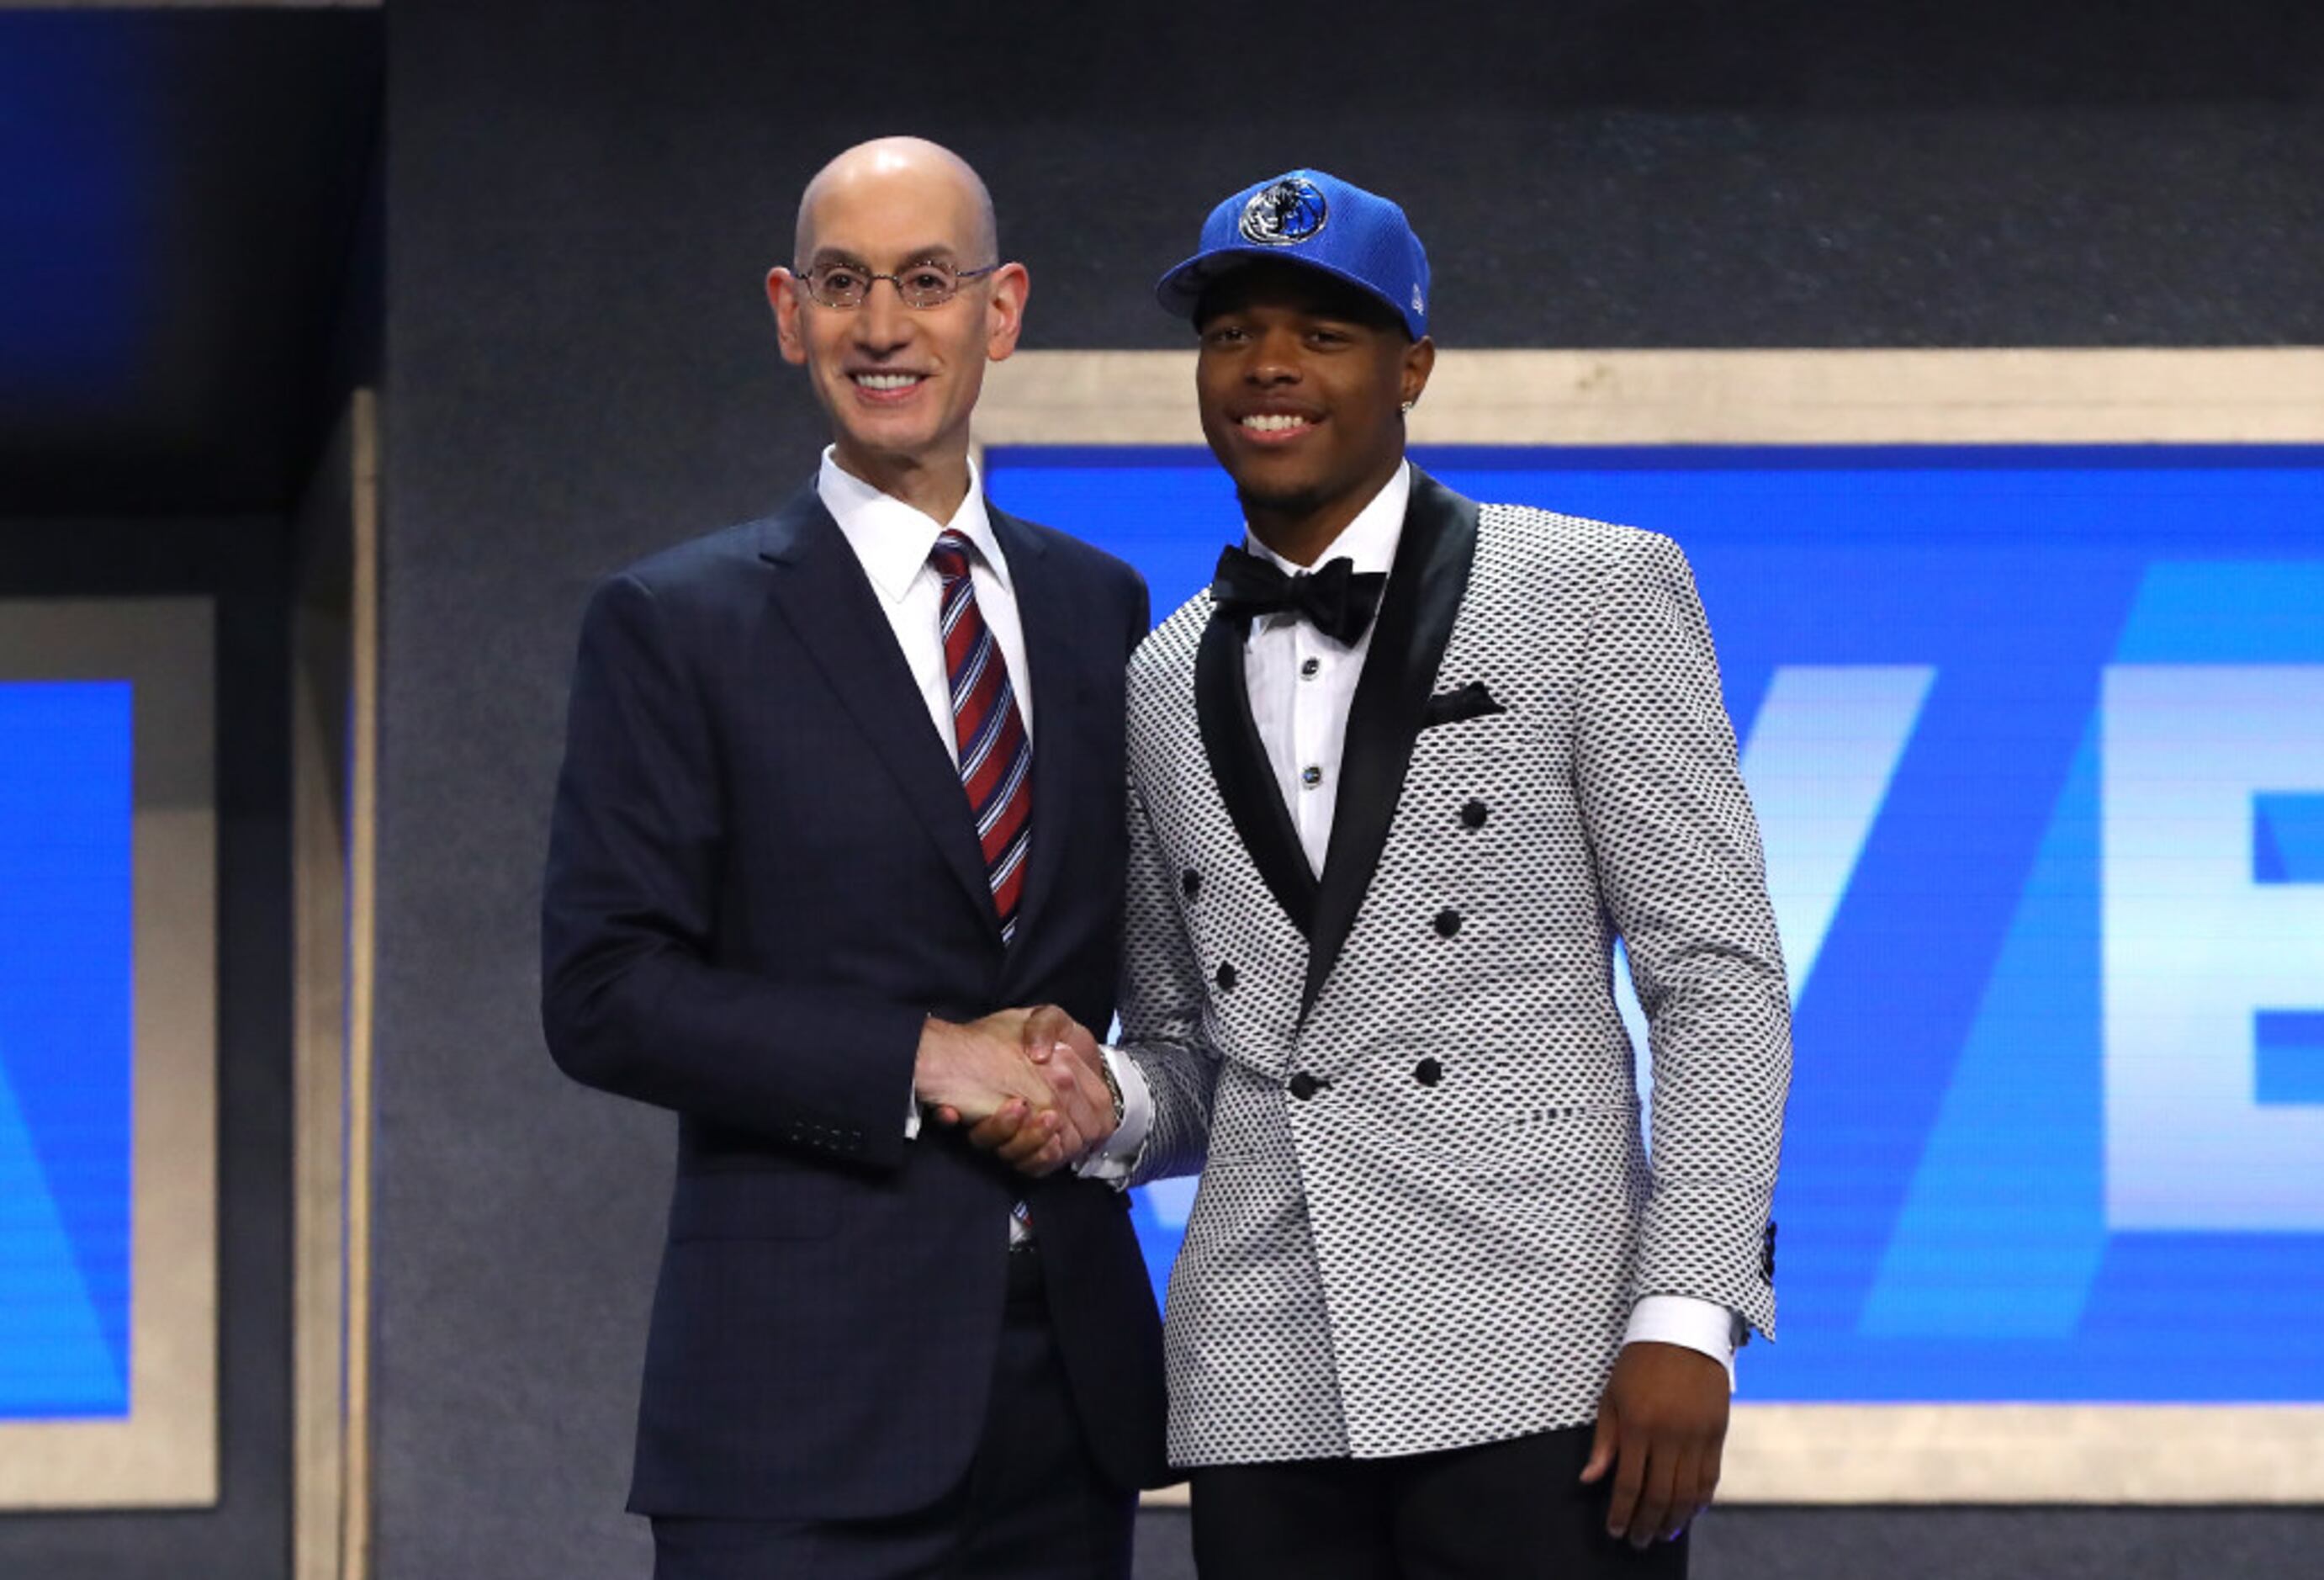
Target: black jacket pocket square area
[(1449, 707)]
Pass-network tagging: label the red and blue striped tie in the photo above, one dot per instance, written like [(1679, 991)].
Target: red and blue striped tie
[(996, 756)]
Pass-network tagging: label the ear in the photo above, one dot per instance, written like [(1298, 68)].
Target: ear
[(1004, 312), (783, 293), (1419, 361)]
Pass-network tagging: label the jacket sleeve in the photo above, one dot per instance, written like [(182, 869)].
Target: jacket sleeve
[(1161, 1002), (632, 1001), (1676, 850)]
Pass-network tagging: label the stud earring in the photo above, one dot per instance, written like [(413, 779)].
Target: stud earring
[(1407, 406)]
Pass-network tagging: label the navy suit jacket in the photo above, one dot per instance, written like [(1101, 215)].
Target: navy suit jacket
[(763, 877)]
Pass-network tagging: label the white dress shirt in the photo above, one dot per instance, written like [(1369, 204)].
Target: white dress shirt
[(1302, 683), (893, 541)]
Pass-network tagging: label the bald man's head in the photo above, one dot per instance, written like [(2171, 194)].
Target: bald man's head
[(892, 167), (895, 350)]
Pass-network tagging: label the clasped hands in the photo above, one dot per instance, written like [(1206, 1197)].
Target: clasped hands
[(1028, 1083)]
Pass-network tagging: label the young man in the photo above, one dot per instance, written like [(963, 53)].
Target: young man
[(839, 785), (1399, 779)]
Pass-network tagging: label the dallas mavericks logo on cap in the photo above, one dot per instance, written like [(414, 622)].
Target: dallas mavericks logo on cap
[(1314, 220), (1284, 213)]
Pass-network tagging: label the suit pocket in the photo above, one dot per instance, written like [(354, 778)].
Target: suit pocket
[(1580, 1152), (756, 1204), (1474, 700)]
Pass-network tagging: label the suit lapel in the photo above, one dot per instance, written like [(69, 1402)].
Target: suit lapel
[(1239, 765), (1425, 588), (820, 588), (1045, 612)]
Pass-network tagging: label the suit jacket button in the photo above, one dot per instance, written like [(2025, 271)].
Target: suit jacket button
[(1448, 923), (1226, 976), (1303, 1085), (1473, 815), (1190, 883), (1428, 1072)]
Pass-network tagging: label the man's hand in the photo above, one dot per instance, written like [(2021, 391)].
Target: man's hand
[(972, 1071), (1037, 1139), (1661, 1428)]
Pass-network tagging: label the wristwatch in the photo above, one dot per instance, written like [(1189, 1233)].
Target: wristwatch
[(1113, 1086)]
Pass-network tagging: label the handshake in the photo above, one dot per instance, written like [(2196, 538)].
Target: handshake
[(1029, 1084)]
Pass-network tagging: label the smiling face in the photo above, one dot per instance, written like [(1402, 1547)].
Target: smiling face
[(898, 382), (1300, 379)]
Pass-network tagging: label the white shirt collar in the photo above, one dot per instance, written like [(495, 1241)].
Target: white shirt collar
[(893, 539), (1370, 540)]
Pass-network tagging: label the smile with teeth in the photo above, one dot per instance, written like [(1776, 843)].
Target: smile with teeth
[(1273, 422), (887, 381)]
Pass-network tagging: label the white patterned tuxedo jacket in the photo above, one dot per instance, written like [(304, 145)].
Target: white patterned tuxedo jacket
[(1425, 1211)]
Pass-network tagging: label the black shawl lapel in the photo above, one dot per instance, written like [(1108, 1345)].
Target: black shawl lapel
[(1239, 764), (820, 588), (1044, 611), (1425, 588)]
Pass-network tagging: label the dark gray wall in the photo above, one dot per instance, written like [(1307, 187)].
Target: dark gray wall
[(581, 197)]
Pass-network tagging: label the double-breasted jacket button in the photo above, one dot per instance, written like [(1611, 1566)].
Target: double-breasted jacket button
[(1428, 1072), (1473, 815), (1303, 1085), (1226, 977), (1190, 883), (1448, 923)]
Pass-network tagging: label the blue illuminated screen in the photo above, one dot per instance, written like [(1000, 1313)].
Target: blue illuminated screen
[(2036, 740), (66, 907)]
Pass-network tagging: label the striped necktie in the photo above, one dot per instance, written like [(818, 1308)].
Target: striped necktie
[(996, 757)]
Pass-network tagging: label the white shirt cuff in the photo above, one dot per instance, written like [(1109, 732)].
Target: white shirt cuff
[(1703, 1326), (1113, 1161)]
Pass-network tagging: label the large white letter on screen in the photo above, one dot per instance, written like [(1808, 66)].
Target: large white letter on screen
[(2195, 947)]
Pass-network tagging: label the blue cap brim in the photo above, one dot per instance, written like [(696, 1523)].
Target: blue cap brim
[(1180, 291)]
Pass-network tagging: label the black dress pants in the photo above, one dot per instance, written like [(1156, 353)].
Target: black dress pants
[(1032, 1507), (1511, 1511)]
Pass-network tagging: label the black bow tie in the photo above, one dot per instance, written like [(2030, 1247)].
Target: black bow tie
[(1335, 600)]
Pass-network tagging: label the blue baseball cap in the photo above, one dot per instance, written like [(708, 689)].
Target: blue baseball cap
[(1306, 217)]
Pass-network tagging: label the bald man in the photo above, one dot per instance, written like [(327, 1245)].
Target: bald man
[(842, 797)]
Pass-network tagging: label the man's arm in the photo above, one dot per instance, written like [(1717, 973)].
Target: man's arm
[(631, 1001), (1677, 855), (1676, 850)]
